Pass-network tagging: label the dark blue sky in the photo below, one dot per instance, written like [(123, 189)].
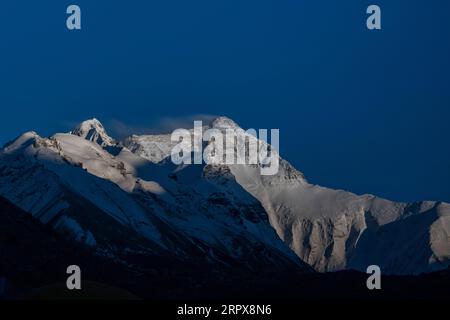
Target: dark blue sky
[(364, 111)]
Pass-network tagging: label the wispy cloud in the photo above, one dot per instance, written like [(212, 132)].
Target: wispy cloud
[(120, 130)]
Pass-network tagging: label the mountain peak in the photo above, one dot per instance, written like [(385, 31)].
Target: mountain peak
[(22, 141), (91, 123), (94, 131), (224, 123)]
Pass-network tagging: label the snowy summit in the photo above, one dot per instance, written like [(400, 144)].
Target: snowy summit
[(93, 131)]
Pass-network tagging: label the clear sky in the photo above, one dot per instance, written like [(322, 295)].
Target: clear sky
[(364, 111)]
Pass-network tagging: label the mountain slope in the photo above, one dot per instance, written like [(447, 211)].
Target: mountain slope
[(333, 229), (33, 261), (152, 147), (131, 197), (83, 191), (38, 177)]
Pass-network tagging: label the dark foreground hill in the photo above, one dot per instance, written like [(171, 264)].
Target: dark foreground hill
[(33, 262)]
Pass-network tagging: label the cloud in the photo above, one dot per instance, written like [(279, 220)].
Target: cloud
[(159, 126), (169, 124)]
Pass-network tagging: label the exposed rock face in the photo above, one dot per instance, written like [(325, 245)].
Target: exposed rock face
[(92, 130)]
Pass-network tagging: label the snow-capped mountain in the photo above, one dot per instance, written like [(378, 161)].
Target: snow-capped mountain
[(136, 200), (333, 229), (94, 131), (37, 176), (125, 203)]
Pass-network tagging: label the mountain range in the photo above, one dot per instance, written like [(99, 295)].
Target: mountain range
[(125, 201)]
